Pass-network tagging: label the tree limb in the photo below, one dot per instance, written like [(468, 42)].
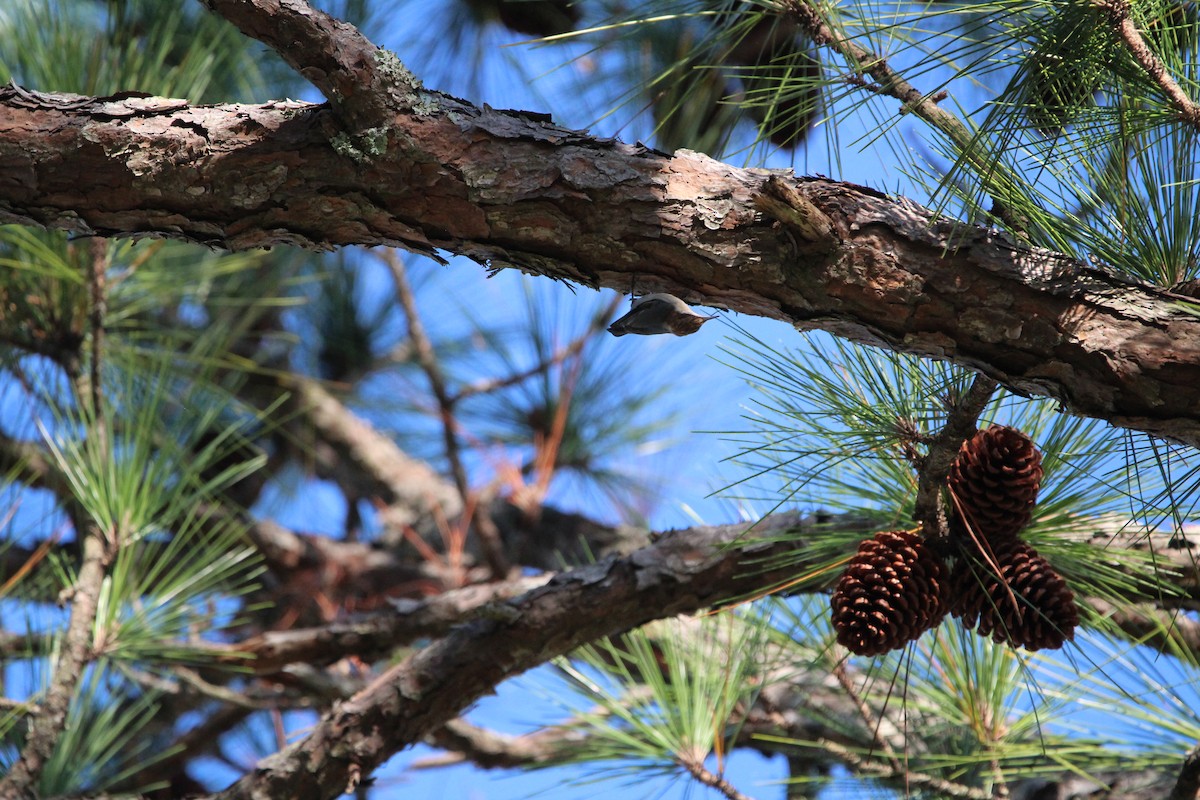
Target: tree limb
[(681, 572), (510, 189), (675, 575), (364, 84)]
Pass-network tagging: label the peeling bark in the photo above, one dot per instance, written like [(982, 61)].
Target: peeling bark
[(512, 189)]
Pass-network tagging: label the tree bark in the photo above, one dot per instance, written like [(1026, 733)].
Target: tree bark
[(512, 189)]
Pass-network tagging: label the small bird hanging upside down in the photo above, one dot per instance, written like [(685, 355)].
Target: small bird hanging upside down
[(659, 313)]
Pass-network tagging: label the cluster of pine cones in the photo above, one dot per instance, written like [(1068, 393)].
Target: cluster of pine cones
[(898, 585)]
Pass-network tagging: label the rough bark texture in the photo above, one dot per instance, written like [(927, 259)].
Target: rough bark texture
[(512, 189), (678, 574)]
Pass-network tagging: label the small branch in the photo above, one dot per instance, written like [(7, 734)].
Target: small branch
[(712, 780), (191, 744), (891, 83), (99, 546), (426, 355), (364, 84), (370, 636), (491, 750), (409, 487), (1154, 627), (1118, 13), (557, 357), (935, 465), (869, 719), (29, 462), (98, 302), (918, 780), (999, 784), (47, 727)]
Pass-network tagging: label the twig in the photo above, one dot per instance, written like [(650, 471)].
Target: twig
[(98, 549), (710, 779), (999, 785), (1149, 625), (866, 766), (32, 561), (891, 83), (557, 357), (409, 486), (963, 412), (97, 278), (192, 743), (868, 717), (426, 356), (1118, 13), (493, 750)]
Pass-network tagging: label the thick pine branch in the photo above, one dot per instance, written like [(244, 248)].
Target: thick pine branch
[(389, 163), (510, 189), (676, 575)]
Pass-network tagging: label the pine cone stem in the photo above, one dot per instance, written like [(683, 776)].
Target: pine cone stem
[(963, 414)]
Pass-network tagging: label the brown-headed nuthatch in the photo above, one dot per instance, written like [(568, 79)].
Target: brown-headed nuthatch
[(659, 313)]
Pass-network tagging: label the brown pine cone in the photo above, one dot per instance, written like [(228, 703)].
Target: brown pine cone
[(973, 576), (995, 480), (893, 590), (1028, 605)]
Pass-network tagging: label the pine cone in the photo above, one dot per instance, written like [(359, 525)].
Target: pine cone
[(893, 590), (995, 480), (1028, 605), (973, 577)]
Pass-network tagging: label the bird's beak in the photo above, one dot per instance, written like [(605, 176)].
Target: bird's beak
[(617, 329)]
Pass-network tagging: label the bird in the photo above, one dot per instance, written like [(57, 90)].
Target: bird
[(659, 313)]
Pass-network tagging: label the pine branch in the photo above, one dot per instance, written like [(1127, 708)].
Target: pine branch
[(99, 548), (935, 465), (891, 83), (871, 722), (426, 356), (562, 354), (492, 750), (364, 84), (683, 571), (867, 766), (373, 463), (1117, 12), (195, 742), (712, 780), (1032, 319), (97, 297), (1164, 630), (370, 636), (46, 727), (675, 575)]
